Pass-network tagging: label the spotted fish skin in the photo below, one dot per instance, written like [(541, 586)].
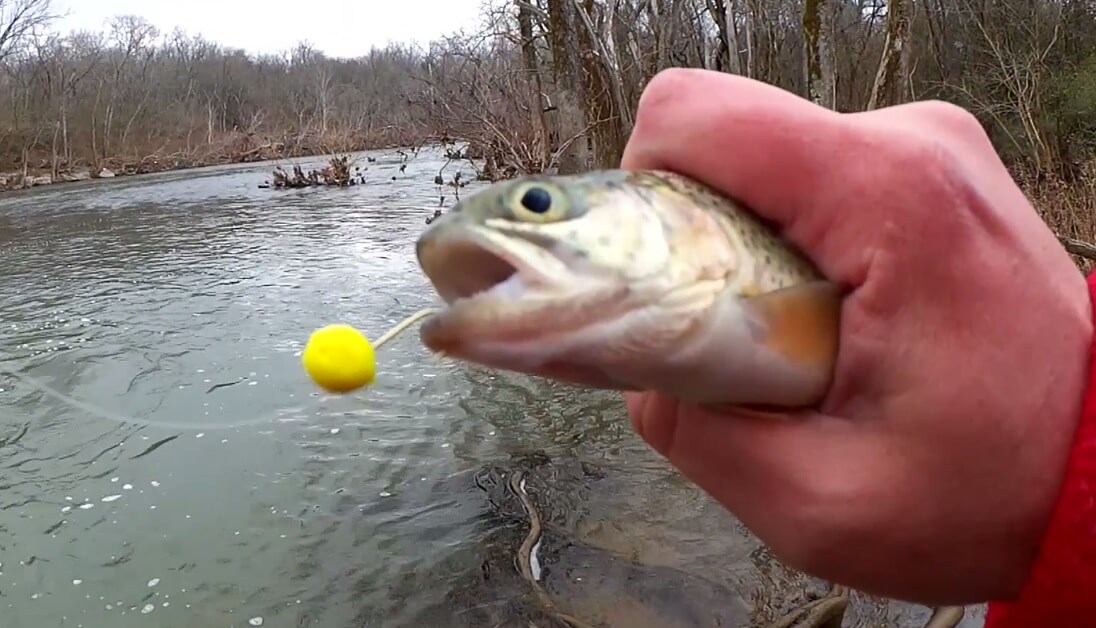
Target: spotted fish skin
[(631, 280), (778, 264)]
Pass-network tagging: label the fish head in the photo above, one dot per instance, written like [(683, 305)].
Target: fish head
[(528, 266)]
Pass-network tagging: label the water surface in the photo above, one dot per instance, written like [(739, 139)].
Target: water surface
[(141, 294)]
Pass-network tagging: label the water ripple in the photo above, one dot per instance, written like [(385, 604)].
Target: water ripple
[(141, 295)]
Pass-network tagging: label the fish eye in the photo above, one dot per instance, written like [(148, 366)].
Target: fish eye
[(537, 200)]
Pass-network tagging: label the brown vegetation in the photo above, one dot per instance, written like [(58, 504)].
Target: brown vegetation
[(335, 174), (551, 84)]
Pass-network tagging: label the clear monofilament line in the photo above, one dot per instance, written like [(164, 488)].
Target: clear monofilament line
[(399, 327), (102, 413)]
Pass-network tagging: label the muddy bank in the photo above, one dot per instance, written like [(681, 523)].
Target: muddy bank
[(44, 174)]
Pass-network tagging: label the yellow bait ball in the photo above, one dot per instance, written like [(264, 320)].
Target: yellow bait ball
[(339, 358)]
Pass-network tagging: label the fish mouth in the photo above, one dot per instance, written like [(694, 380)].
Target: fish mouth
[(498, 286), (476, 264)]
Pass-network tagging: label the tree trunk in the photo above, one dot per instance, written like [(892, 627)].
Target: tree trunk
[(536, 88), (818, 52), (892, 77), (603, 94)]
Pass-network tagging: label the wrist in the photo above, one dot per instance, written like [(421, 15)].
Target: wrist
[(1057, 571), (1065, 401)]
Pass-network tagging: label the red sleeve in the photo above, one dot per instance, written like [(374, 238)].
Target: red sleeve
[(1061, 589)]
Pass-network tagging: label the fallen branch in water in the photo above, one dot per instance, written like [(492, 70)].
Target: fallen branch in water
[(527, 552), (336, 173)]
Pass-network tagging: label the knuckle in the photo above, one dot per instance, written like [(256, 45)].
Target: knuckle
[(952, 121), (666, 88), (659, 114), (920, 146), (950, 114)]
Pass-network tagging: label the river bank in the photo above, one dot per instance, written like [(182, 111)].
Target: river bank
[(1067, 207), (240, 150), (13, 181)]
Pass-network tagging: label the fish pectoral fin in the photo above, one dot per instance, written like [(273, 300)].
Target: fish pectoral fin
[(802, 323)]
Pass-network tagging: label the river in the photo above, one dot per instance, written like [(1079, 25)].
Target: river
[(140, 295)]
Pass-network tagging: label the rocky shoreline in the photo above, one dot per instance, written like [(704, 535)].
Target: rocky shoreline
[(14, 180), (11, 181), (36, 177)]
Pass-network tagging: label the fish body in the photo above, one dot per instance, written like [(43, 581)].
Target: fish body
[(630, 280)]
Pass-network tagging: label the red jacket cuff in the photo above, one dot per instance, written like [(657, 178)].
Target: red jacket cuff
[(1061, 589)]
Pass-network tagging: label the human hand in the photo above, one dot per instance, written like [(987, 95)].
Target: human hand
[(930, 470)]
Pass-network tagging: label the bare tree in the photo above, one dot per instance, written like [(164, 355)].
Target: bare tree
[(818, 52), (893, 73), (19, 19), (546, 84)]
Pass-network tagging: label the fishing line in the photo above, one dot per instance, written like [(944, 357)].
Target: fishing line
[(102, 413)]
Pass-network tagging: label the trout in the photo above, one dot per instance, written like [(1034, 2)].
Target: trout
[(631, 280)]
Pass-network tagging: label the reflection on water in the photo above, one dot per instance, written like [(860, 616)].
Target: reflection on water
[(141, 295)]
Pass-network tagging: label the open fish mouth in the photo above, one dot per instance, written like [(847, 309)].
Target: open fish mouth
[(509, 287), (472, 264)]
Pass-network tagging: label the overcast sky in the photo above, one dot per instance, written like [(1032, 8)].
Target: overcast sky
[(345, 28)]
